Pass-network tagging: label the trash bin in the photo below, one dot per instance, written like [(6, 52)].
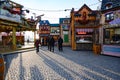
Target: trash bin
[(2, 67)]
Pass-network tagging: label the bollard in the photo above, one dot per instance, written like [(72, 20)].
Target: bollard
[(2, 67)]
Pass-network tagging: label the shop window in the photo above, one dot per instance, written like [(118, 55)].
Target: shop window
[(52, 30), (65, 27), (107, 34), (66, 21), (112, 36), (116, 37), (58, 30), (84, 35)]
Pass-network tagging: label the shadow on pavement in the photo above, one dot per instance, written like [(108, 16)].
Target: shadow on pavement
[(21, 68), (98, 65), (8, 59), (36, 74), (56, 68)]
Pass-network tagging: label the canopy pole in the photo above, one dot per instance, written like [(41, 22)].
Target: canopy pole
[(14, 38)]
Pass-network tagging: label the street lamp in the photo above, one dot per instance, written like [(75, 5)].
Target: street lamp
[(38, 18), (67, 10)]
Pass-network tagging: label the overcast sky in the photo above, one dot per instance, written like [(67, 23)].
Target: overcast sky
[(54, 9)]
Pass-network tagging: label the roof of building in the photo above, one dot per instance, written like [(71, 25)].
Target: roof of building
[(54, 25), (44, 22), (62, 19), (114, 3), (94, 12), (84, 6), (115, 21)]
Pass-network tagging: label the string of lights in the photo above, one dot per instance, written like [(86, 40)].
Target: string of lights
[(36, 11), (58, 10), (94, 4), (45, 10)]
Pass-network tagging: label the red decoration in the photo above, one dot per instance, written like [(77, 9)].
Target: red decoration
[(84, 16), (81, 32)]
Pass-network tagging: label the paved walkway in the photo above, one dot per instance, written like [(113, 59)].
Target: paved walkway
[(23, 48), (28, 45), (66, 65)]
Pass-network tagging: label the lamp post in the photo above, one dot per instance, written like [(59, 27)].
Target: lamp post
[(38, 18), (67, 10)]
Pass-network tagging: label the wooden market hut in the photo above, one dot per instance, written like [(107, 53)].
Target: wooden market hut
[(12, 20), (84, 28)]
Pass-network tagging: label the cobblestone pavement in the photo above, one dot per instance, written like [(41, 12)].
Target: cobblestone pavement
[(66, 65)]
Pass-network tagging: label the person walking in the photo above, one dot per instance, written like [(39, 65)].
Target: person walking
[(37, 46), (28, 41), (43, 42), (60, 42), (48, 42), (52, 42)]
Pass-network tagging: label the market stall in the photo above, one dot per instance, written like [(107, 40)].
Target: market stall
[(111, 44)]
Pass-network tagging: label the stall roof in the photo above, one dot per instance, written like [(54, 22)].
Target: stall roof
[(44, 22), (54, 25), (115, 21)]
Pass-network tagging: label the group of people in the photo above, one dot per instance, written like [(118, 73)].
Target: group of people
[(50, 44)]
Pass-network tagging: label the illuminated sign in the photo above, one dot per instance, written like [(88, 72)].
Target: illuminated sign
[(81, 32)]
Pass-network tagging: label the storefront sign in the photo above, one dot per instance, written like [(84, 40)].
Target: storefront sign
[(81, 32)]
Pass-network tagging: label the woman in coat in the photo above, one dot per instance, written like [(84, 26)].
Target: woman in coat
[(37, 45), (60, 41), (52, 42)]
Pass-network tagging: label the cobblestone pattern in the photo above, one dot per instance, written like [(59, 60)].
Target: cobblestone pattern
[(66, 65)]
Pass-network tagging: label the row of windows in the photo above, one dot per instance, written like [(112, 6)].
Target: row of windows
[(109, 16), (55, 31), (112, 36)]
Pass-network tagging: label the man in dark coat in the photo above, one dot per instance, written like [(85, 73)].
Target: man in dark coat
[(48, 42), (37, 45), (52, 42), (43, 42), (60, 41)]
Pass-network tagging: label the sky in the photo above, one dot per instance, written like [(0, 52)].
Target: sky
[(54, 9)]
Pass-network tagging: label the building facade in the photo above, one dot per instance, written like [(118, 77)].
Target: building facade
[(65, 31), (110, 21), (44, 31), (84, 28), (55, 31), (12, 20)]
